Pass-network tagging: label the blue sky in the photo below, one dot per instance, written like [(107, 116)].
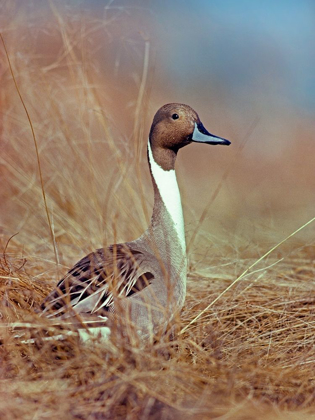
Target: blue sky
[(241, 45)]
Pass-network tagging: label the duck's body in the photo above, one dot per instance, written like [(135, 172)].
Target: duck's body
[(143, 282)]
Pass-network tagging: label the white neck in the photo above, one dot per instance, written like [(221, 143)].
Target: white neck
[(168, 188)]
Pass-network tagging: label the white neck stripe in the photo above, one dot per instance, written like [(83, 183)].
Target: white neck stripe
[(167, 184)]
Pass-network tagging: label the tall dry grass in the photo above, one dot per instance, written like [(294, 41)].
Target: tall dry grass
[(241, 352)]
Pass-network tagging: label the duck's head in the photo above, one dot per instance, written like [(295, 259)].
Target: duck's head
[(175, 126)]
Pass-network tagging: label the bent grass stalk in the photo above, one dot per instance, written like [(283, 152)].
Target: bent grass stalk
[(244, 274), (37, 153), (225, 175)]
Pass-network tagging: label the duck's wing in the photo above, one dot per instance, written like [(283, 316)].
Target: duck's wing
[(93, 283)]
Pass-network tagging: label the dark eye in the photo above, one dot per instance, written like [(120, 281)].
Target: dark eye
[(175, 116)]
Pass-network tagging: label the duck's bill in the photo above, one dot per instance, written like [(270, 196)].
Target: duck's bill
[(201, 135)]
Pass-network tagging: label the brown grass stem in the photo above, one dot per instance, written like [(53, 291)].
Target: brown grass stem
[(138, 124), (36, 150)]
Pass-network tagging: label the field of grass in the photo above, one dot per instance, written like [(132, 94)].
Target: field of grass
[(72, 180)]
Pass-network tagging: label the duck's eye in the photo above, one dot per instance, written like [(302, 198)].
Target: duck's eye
[(175, 116)]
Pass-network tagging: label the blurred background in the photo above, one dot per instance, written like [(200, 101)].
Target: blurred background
[(92, 75)]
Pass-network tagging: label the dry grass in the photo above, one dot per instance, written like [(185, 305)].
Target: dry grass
[(250, 355)]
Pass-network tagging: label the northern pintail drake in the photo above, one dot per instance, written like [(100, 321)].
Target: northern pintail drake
[(143, 282)]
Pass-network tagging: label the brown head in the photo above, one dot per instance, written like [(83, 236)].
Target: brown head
[(175, 126)]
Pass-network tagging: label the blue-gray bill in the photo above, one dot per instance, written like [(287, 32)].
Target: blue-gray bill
[(202, 135)]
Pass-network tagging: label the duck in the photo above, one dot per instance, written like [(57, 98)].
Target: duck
[(141, 283)]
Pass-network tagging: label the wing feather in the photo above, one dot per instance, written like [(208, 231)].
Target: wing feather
[(97, 279)]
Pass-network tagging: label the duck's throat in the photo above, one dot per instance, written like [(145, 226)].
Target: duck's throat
[(167, 211)]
